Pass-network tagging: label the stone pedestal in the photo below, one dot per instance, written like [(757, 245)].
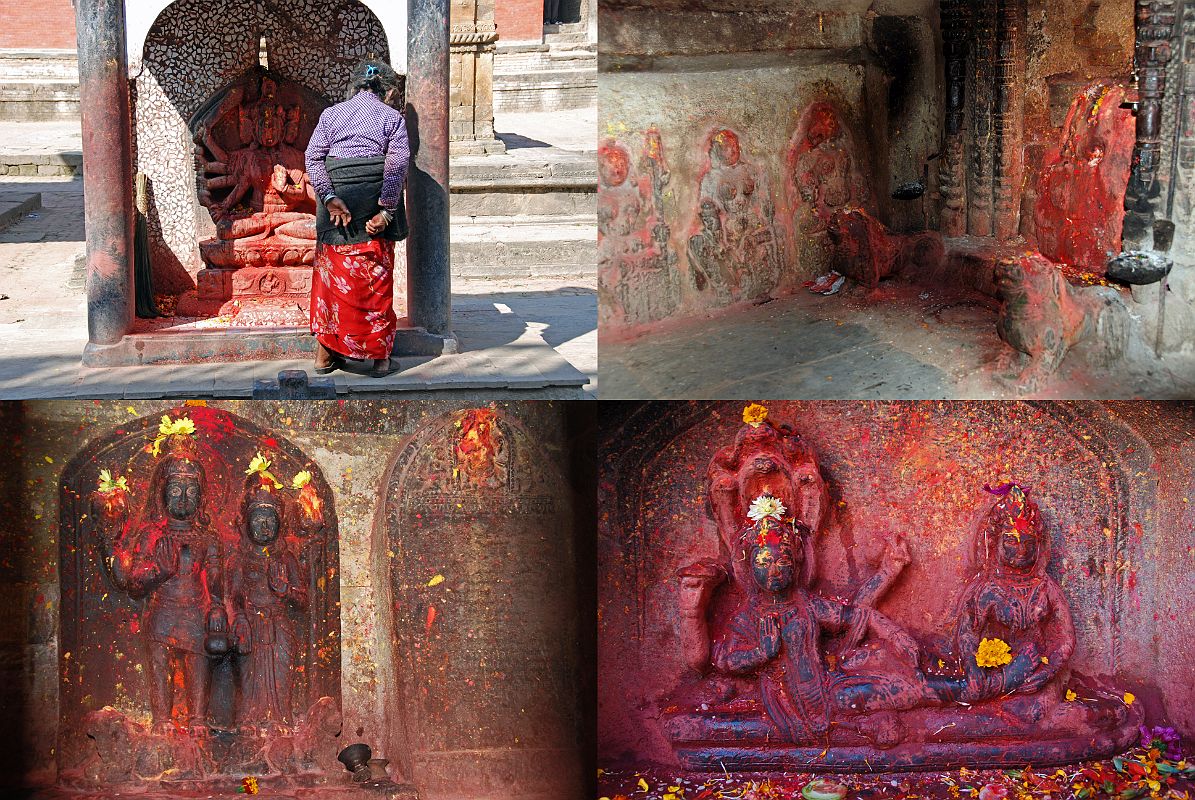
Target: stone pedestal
[(471, 101)]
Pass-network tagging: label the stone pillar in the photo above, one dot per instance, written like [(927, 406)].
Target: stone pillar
[(429, 291), (107, 170), (471, 118)]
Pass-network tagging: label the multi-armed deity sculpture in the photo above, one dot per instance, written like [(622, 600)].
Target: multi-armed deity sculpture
[(783, 676), (251, 178), (209, 559)]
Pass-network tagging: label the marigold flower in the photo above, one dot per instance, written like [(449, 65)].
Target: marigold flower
[(754, 415), (993, 653), (1129, 697), (182, 425), (1071, 696), (300, 480)]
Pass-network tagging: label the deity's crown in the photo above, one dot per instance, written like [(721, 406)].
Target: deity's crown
[(259, 494), (182, 452)]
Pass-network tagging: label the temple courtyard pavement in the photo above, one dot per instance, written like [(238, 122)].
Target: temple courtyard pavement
[(902, 341), (524, 301)]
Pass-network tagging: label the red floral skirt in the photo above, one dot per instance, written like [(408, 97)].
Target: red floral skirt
[(352, 298)]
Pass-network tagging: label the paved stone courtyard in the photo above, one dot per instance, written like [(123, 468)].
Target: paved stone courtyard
[(903, 343), (517, 333)]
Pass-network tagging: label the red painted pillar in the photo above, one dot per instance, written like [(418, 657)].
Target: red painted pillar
[(429, 291), (107, 168)]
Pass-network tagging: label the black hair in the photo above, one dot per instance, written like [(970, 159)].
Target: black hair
[(377, 76)]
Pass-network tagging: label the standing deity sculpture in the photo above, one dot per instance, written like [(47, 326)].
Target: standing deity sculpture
[(266, 586), (636, 260), (750, 259), (172, 559)]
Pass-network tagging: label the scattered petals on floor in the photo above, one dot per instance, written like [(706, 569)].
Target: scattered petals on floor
[(1157, 772)]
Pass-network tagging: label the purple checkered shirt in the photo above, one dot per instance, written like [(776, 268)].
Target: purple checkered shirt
[(362, 127)]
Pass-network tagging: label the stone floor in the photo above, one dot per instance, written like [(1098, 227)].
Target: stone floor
[(903, 342), (518, 337)]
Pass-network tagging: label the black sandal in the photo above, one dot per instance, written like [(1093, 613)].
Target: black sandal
[(383, 367), (335, 361)]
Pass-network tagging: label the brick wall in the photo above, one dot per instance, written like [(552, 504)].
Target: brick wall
[(37, 24), (517, 20)]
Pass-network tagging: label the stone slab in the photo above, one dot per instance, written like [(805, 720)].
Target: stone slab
[(14, 205)]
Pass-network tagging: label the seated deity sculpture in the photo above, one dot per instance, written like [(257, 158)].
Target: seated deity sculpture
[(777, 637), (1013, 601), (266, 585), (779, 673), (172, 560), (252, 178)]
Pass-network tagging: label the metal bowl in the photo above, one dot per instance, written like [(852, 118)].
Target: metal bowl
[(1139, 267)]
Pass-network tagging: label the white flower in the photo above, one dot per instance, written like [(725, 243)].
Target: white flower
[(766, 506)]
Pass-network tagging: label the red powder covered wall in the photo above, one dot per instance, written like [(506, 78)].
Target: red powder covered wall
[(45, 24), (520, 20)]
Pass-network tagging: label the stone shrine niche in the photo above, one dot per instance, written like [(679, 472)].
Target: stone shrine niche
[(197, 49), (942, 588), (199, 617), (478, 542), (252, 180)]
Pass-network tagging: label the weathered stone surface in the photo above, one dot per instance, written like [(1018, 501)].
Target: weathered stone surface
[(861, 482), (517, 647)]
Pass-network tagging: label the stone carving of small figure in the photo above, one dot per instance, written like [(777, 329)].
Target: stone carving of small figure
[(655, 167), (636, 260), (705, 248), (266, 585), (825, 177), (734, 187), (175, 563), (1011, 599), (269, 191)]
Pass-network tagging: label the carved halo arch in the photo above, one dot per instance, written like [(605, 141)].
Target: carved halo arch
[(141, 15)]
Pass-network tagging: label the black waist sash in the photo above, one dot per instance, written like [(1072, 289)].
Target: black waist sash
[(358, 182)]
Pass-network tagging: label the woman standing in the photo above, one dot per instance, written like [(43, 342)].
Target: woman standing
[(357, 162)]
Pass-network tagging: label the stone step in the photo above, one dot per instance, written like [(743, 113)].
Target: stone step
[(16, 204), (524, 247), (62, 164), (38, 85), (41, 65), (543, 58), (39, 101)]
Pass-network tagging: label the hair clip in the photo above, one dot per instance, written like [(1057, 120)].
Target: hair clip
[(370, 71)]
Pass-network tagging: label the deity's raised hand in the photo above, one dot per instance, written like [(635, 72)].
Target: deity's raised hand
[(769, 636)]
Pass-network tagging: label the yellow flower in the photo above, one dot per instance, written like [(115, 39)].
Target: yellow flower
[(182, 425), (107, 484), (754, 415), (1071, 696), (993, 653), (1129, 697), (261, 465), (301, 479), (1045, 660)]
